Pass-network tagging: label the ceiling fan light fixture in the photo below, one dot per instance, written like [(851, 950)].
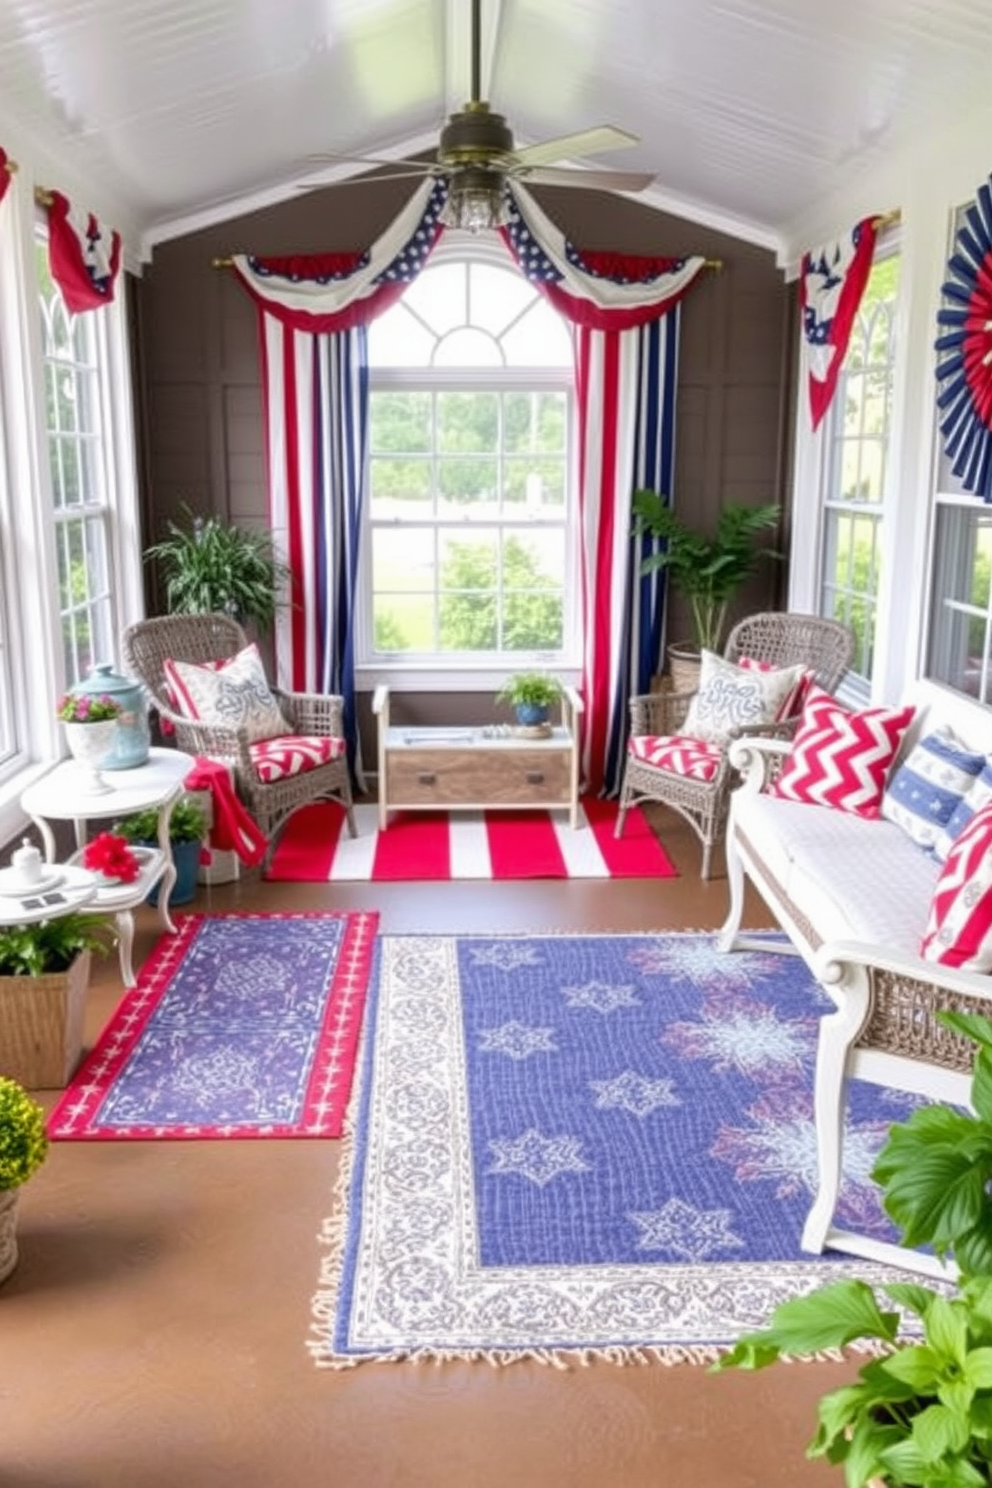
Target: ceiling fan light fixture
[(475, 201)]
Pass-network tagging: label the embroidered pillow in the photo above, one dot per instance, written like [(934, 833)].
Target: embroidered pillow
[(979, 795), (959, 926), (839, 758), (229, 694), (796, 699), (929, 785), (732, 697)]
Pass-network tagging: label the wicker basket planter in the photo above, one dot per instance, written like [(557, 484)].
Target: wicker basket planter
[(683, 665), (41, 1025), (8, 1231)]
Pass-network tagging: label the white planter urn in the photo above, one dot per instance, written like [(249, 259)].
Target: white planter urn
[(92, 745)]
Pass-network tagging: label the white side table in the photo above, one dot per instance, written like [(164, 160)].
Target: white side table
[(156, 785)]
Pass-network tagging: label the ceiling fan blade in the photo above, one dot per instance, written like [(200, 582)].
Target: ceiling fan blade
[(585, 142), (608, 180), (396, 175), (330, 157)]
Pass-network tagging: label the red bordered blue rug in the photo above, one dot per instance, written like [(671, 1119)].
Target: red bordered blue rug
[(241, 1025)]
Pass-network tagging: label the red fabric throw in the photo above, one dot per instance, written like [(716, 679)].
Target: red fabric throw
[(234, 829)]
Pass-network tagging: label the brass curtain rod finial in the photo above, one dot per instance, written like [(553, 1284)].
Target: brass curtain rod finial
[(11, 166), (887, 219), (42, 196), (222, 263), (716, 264)]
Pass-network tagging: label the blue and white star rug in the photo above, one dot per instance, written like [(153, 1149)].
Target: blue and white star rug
[(583, 1145)]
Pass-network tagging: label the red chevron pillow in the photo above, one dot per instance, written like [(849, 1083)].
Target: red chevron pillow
[(841, 759), (959, 926)]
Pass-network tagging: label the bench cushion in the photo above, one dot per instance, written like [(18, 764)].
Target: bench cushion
[(851, 878)]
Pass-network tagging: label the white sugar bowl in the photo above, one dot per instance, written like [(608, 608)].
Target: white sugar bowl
[(26, 863)]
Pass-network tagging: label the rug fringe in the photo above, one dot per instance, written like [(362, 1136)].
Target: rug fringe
[(668, 1355)]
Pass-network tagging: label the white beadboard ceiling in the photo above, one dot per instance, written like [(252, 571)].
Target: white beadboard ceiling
[(749, 111)]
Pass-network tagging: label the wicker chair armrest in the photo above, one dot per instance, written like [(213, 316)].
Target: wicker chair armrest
[(757, 758), (195, 737), (313, 712), (658, 713)]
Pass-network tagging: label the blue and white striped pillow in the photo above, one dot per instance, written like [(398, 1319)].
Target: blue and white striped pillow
[(930, 787), (978, 797)]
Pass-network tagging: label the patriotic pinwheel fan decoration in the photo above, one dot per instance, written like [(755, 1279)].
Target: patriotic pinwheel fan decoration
[(964, 348)]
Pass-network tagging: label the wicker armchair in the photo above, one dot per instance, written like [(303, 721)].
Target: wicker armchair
[(147, 645), (777, 639)]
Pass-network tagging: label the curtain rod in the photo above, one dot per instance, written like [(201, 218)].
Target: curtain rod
[(226, 261), (11, 166), (43, 196), (888, 219)]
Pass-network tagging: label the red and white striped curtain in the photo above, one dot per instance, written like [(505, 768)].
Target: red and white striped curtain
[(84, 257), (831, 284), (6, 172)]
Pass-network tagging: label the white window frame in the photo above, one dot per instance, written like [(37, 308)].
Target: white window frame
[(435, 672)]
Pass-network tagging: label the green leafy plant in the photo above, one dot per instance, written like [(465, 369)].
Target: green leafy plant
[(921, 1416), (208, 566), (530, 689), (186, 824), (707, 571), (52, 945), (23, 1143)]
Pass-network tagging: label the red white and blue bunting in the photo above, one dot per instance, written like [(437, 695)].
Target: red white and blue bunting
[(84, 257), (831, 283), (964, 349)]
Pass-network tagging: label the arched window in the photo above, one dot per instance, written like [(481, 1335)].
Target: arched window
[(469, 558)]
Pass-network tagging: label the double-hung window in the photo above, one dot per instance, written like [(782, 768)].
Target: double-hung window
[(469, 557), (857, 435)]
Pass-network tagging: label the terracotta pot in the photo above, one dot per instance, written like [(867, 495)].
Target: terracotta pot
[(8, 1231)]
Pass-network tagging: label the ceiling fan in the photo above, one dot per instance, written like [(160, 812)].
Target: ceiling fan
[(476, 155)]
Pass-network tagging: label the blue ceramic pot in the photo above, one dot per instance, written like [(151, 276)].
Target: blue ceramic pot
[(186, 856), (531, 714)]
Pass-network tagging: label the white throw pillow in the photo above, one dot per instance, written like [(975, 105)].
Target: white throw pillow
[(228, 694), (732, 697)]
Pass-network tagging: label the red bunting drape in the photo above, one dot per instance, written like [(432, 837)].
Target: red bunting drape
[(84, 257)]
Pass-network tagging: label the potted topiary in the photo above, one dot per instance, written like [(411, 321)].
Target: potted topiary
[(209, 566), (920, 1416), (23, 1145), (187, 833), (44, 973), (532, 695), (707, 571)]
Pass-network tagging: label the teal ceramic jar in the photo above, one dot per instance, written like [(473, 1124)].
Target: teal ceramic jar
[(131, 736)]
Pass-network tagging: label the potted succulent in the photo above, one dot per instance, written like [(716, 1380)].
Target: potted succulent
[(207, 566), (187, 832), (44, 973), (532, 695), (23, 1145), (920, 1416), (707, 570)]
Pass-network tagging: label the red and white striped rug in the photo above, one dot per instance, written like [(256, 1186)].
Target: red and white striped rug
[(315, 847)]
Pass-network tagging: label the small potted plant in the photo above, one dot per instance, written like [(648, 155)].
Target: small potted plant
[(532, 695), (187, 832), (44, 974), (90, 720), (23, 1146), (919, 1416), (707, 570), (210, 566)]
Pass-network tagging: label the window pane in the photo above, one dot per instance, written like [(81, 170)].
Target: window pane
[(959, 643), (467, 421)]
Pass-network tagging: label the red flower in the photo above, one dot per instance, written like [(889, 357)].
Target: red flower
[(112, 856)]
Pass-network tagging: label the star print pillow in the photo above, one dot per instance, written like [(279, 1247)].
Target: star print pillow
[(923, 793)]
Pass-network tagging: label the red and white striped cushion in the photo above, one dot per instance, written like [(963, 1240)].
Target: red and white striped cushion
[(841, 759), (959, 927), (680, 755), (293, 754)]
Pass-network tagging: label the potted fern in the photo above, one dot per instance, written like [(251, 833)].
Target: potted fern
[(187, 833), (920, 1416), (209, 566), (707, 571), (532, 696), (23, 1146), (44, 974)]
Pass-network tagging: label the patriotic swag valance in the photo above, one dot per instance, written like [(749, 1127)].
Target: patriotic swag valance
[(965, 350), (314, 311), (831, 284), (84, 257)]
